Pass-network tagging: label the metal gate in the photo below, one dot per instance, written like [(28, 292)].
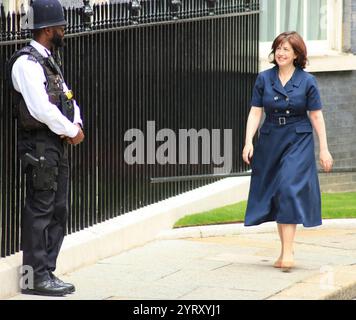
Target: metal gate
[(139, 67)]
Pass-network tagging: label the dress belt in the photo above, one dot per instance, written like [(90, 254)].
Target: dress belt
[(285, 119)]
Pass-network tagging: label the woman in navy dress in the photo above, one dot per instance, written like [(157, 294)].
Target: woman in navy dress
[(284, 182)]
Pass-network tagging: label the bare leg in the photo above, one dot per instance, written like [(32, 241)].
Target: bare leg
[(286, 234), (277, 264)]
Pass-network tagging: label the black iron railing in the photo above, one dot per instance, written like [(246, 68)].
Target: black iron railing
[(163, 65)]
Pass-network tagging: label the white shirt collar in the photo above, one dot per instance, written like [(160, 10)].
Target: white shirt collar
[(40, 48)]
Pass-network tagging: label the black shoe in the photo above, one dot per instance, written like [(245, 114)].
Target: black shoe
[(47, 288), (70, 287)]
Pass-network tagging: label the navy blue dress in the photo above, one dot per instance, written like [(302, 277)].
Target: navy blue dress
[(284, 182)]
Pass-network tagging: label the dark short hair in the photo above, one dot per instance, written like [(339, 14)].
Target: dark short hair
[(298, 45)]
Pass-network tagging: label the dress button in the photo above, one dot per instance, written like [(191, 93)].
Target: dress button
[(276, 98), (287, 99), (276, 110), (287, 112)]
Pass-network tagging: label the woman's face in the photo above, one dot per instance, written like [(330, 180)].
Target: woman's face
[(285, 54)]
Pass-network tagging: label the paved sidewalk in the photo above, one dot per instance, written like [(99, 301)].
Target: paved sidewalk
[(225, 266)]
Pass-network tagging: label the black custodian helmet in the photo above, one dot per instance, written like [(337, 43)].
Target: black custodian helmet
[(45, 13)]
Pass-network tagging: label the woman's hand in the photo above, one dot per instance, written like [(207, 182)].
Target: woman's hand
[(326, 160), (253, 121), (247, 153)]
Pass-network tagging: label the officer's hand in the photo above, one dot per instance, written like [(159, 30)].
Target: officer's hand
[(78, 138), (326, 160), (247, 153)]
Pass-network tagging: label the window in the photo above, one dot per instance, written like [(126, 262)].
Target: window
[(318, 21)]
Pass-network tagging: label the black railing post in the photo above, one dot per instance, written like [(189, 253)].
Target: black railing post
[(247, 5), (23, 18), (87, 13), (135, 8), (179, 76), (175, 6), (211, 6)]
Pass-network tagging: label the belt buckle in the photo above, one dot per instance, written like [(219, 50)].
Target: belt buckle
[(282, 121)]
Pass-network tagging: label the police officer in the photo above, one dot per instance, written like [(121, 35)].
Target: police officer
[(48, 120)]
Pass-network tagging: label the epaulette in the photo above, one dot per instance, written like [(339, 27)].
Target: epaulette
[(31, 58)]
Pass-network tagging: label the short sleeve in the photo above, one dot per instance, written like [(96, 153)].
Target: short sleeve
[(313, 95), (257, 93)]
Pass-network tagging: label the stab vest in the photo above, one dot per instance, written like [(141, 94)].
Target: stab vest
[(54, 89)]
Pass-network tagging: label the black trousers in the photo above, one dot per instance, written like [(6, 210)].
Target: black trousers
[(45, 214)]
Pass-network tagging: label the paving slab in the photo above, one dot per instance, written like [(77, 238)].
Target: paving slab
[(224, 267)]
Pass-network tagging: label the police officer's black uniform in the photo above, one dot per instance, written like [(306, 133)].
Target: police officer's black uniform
[(45, 158)]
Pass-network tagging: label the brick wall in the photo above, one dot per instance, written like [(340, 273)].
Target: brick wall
[(338, 93)]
